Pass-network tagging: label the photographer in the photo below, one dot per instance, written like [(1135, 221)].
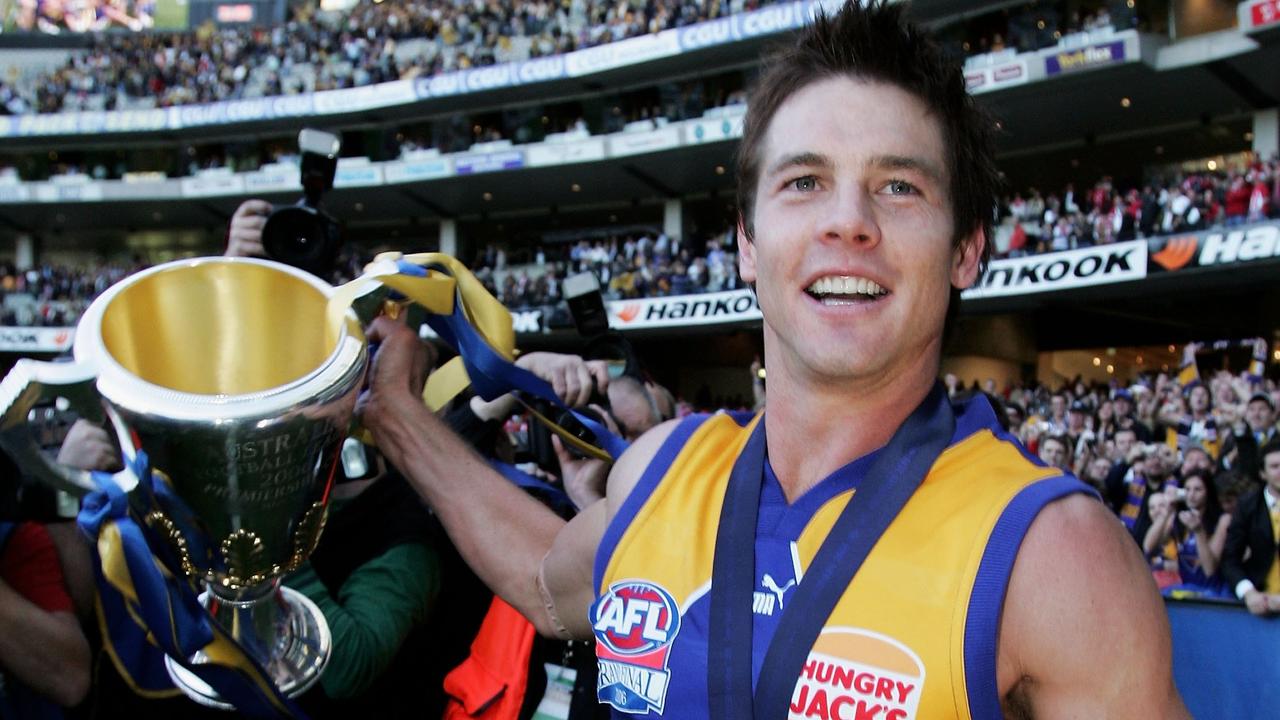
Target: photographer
[(244, 235)]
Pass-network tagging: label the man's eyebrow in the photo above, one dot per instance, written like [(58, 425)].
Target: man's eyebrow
[(802, 159), (906, 162)]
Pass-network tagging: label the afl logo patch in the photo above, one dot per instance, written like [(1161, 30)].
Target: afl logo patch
[(635, 624)]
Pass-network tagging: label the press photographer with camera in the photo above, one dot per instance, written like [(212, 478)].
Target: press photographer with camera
[(301, 234)]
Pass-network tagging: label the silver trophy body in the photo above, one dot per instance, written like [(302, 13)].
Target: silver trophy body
[(228, 374)]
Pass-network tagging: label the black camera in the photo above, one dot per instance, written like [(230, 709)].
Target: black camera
[(303, 235)]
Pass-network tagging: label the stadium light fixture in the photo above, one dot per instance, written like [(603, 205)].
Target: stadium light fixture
[(1125, 102), (487, 196)]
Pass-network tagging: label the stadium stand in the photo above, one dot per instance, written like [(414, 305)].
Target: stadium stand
[(1136, 239)]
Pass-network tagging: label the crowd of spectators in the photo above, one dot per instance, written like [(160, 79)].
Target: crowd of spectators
[(1028, 28), (1172, 453), (629, 265), (377, 42), (1106, 213), (52, 295), (373, 42)]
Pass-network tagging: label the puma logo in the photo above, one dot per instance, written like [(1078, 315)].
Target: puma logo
[(764, 603)]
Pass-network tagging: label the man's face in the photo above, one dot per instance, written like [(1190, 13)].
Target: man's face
[(1058, 404), (1160, 461), (1053, 452), (1123, 407), (1099, 468), (1075, 420), (1259, 416), (852, 254), (1195, 459), (1271, 472)]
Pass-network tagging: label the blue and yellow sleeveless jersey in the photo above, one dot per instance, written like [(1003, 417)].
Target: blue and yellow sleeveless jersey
[(915, 634)]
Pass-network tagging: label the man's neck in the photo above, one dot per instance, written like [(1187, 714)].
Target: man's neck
[(815, 427)]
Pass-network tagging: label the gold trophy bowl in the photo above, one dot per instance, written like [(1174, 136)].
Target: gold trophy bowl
[(223, 371)]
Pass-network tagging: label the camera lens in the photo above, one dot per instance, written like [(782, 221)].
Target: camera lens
[(301, 236)]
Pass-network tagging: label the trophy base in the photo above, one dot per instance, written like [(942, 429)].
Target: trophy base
[(300, 650)]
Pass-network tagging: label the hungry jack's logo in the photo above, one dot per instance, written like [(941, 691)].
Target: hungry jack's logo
[(1177, 252), (853, 674), (635, 624)]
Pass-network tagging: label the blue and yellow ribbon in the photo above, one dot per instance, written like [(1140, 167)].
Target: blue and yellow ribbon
[(148, 610)]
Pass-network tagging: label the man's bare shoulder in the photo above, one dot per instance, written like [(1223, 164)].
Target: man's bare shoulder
[(626, 473), (1084, 631)]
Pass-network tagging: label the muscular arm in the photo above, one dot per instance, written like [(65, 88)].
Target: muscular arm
[(506, 537), (1084, 633)]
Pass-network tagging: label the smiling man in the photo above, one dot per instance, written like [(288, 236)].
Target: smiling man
[(864, 548)]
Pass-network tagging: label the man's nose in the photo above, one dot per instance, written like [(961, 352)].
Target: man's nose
[(851, 216)]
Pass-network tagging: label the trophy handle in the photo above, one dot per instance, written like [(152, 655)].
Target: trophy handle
[(31, 382)]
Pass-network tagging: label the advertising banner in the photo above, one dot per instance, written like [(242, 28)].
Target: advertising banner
[(1005, 74), (492, 162), (1259, 14), (36, 339), (635, 143), (264, 181), (697, 132), (13, 194), (415, 170), (631, 51), (1085, 58), (53, 192), (544, 154), (357, 176), (756, 23), (684, 310), (1101, 265), (1220, 246), (213, 185)]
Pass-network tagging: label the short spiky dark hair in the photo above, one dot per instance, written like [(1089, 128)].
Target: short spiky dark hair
[(874, 42)]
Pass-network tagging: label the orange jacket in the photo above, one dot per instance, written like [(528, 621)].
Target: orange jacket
[(491, 683)]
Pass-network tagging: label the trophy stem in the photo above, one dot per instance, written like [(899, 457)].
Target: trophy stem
[(281, 629)]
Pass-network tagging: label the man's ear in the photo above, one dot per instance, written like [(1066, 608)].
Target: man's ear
[(746, 254), (966, 258)]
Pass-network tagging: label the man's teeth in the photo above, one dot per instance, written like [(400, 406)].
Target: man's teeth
[(845, 286)]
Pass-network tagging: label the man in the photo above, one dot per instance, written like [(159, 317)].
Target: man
[(1251, 557), (1195, 459), (1248, 434), (866, 187), (1053, 452), (1057, 419), (1197, 426), (1125, 419)]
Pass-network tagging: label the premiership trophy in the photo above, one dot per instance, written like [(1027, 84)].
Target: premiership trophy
[(228, 373)]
